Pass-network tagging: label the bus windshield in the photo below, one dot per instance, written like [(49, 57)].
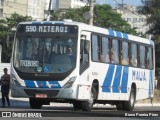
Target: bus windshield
[(45, 52)]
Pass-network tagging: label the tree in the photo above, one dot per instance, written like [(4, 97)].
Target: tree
[(152, 11), (7, 33), (104, 17), (74, 14)]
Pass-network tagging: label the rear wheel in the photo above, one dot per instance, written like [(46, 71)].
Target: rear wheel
[(129, 105), (119, 106), (35, 104)]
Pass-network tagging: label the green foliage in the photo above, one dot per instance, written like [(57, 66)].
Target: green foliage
[(107, 18), (152, 10), (7, 33), (15, 19), (74, 14), (104, 17)]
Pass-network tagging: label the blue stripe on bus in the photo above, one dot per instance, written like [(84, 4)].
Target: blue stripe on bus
[(125, 36), (124, 83), (36, 22), (108, 79), (111, 32), (42, 84), (118, 34), (54, 84), (47, 22), (117, 78), (30, 83)]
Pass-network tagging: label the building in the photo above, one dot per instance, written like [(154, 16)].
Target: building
[(66, 4), (136, 20), (33, 8), (1, 8), (36, 8)]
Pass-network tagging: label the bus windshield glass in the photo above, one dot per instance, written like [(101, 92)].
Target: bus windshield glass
[(45, 48)]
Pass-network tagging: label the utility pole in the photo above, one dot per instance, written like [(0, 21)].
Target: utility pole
[(91, 5), (122, 4), (49, 11)]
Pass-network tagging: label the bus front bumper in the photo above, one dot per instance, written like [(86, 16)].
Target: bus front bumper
[(57, 93)]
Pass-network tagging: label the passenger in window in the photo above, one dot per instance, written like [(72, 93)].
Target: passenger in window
[(125, 61), (142, 63), (134, 60), (115, 57), (69, 51), (105, 58), (70, 54)]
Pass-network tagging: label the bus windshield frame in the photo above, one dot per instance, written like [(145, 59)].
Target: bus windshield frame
[(45, 51)]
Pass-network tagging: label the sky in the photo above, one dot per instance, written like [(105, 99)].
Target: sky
[(111, 2)]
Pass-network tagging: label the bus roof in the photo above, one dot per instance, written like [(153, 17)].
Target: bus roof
[(96, 29)]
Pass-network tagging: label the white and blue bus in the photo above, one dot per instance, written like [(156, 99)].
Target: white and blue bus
[(71, 62)]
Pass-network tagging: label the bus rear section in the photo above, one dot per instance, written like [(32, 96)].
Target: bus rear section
[(122, 68)]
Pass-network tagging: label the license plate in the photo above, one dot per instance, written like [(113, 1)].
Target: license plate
[(40, 95)]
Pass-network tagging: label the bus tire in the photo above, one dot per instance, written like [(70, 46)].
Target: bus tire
[(88, 105), (77, 105), (119, 106), (129, 105), (34, 104)]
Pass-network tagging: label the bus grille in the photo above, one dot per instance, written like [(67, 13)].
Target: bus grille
[(33, 92)]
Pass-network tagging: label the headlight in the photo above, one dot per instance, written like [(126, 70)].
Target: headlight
[(70, 82), (14, 80)]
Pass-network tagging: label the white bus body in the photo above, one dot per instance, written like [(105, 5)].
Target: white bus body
[(88, 80)]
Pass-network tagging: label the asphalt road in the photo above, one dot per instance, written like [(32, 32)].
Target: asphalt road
[(21, 109), (68, 113)]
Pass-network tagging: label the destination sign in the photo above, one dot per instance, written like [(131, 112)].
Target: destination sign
[(54, 29), (30, 28)]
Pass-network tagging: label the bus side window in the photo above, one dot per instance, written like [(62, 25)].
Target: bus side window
[(124, 58), (105, 50), (142, 56), (134, 55), (149, 58), (115, 51), (95, 48)]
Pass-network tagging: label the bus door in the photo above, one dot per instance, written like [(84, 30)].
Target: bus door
[(84, 51), (84, 79)]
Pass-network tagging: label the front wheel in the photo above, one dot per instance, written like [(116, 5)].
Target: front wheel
[(88, 105), (77, 105), (129, 105), (35, 104), (120, 105)]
